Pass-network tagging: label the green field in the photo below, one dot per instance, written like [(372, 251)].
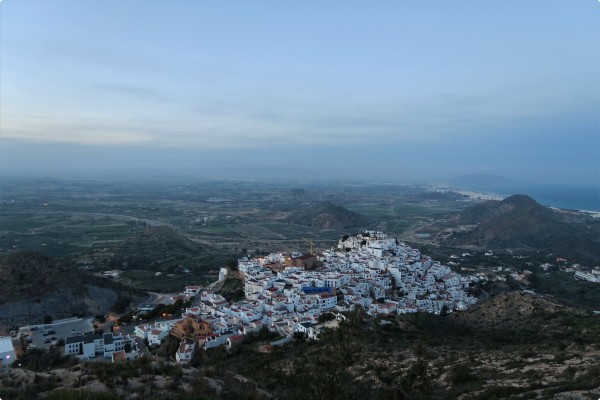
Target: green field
[(218, 230), (409, 210), (373, 210), (398, 227), (109, 232), (60, 234), (290, 231), (17, 224), (257, 231)]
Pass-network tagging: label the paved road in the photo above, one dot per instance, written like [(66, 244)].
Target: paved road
[(61, 330), (142, 347)]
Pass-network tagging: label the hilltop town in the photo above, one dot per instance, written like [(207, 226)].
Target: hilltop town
[(317, 306), (301, 295)]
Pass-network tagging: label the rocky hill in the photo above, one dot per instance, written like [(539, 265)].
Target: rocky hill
[(155, 245), (35, 285), (519, 222), (509, 311), (327, 215)]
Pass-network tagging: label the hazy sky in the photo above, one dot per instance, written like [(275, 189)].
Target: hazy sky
[(402, 90)]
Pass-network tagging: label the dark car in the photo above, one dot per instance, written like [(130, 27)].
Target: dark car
[(51, 332)]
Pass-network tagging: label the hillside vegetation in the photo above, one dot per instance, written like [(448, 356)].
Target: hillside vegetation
[(519, 222), (156, 245), (512, 346), (35, 285), (327, 215)]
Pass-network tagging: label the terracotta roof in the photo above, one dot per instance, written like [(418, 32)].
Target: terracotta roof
[(119, 356)]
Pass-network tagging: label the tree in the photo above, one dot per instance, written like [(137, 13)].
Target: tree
[(47, 319), (325, 317), (299, 335), (233, 265), (444, 310), (121, 303)]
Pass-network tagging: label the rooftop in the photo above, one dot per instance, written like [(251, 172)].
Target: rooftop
[(6, 345)]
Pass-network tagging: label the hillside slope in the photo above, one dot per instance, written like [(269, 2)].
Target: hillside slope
[(541, 350), (519, 222), (155, 245), (327, 215), (35, 285)]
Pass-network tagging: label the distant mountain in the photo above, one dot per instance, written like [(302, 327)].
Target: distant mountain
[(327, 215), (155, 245), (511, 206), (519, 222), (299, 195), (35, 285)]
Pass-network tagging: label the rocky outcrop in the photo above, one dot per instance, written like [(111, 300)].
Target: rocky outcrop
[(35, 285), (62, 303)]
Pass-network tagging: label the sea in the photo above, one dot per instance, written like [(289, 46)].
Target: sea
[(571, 197)]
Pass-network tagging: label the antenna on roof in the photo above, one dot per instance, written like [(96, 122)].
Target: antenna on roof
[(311, 244)]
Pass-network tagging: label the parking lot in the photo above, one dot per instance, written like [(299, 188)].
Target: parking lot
[(43, 336)]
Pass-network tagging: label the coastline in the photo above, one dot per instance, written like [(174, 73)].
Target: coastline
[(575, 198), (479, 195)]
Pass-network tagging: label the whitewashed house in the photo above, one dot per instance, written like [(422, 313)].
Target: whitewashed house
[(185, 352), (7, 352), (156, 336)]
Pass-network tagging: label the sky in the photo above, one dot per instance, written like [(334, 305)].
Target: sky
[(384, 90)]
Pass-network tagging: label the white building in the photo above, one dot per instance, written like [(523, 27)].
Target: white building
[(86, 346), (191, 291), (89, 345), (112, 343), (7, 352), (142, 331), (156, 336), (185, 352)]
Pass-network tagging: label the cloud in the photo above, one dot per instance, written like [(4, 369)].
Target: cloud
[(138, 92), (135, 114), (76, 131)]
